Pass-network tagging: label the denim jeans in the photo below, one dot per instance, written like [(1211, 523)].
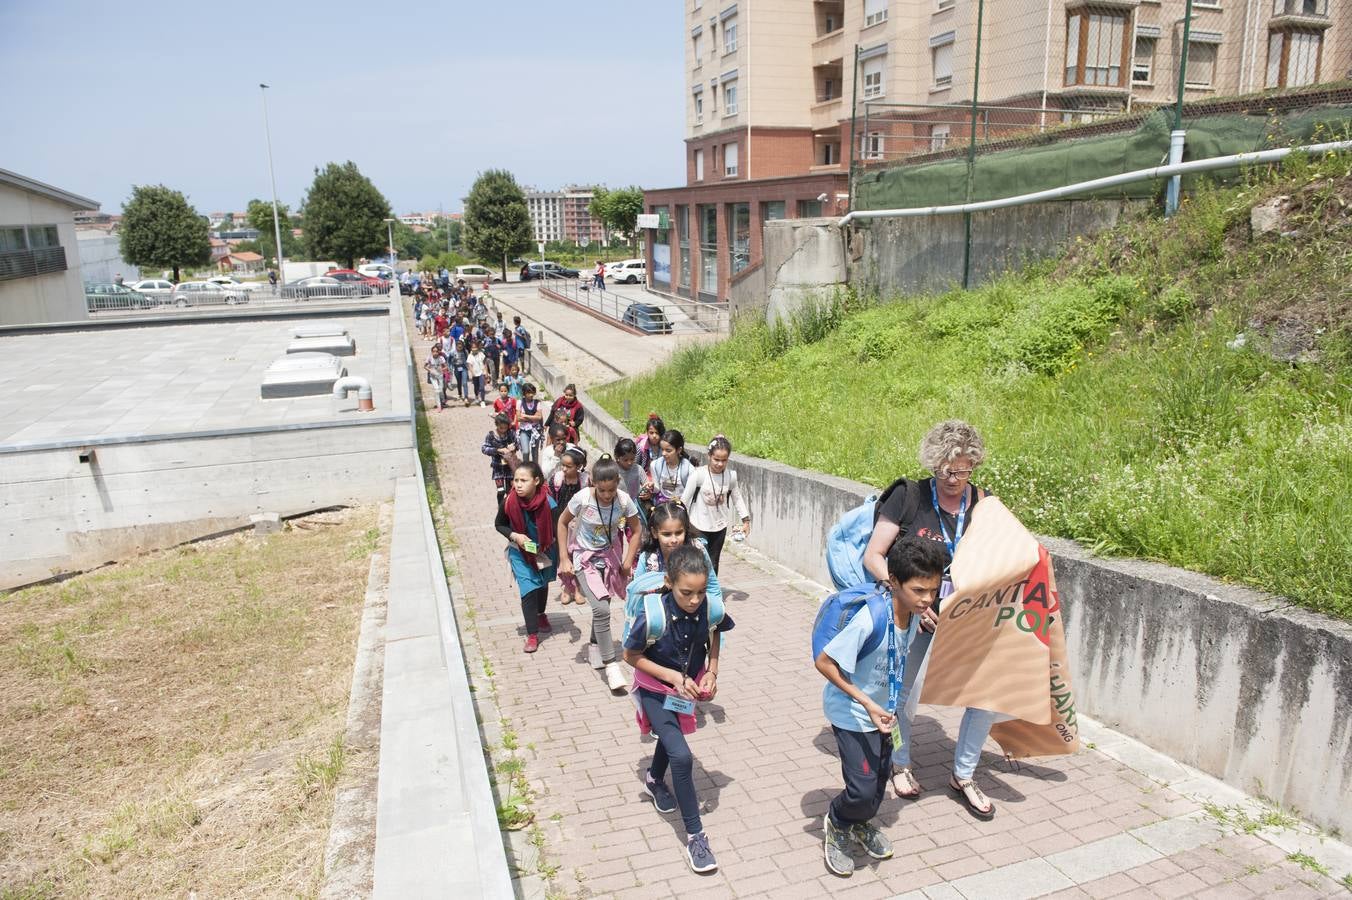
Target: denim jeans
[(672, 751), (976, 723)]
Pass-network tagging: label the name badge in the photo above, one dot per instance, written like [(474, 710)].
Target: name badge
[(679, 704)]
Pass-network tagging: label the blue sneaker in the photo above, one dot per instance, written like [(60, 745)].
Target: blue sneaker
[(698, 854), (663, 799)]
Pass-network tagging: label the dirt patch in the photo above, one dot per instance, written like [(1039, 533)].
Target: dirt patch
[(175, 724)]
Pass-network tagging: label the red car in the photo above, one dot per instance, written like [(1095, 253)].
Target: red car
[(348, 276)]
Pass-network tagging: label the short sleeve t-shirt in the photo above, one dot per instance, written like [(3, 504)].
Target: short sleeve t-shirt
[(683, 646), (599, 525), (867, 672), (670, 482), (925, 524)]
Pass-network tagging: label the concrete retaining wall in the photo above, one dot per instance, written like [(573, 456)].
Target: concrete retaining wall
[(1239, 684), (60, 515)]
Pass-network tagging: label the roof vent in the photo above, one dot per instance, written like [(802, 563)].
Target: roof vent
[(337, 344), (301, 375)]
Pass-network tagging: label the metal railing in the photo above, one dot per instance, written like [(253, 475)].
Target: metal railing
[(264, 295), (678, 316)]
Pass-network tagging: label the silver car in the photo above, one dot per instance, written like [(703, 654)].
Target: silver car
[(205, 293), (159, 288)]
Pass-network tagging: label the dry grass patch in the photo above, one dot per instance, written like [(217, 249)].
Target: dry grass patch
[(175, 723)]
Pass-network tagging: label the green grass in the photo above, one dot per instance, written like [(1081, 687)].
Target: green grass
[(1113, 410), (1308, 862)]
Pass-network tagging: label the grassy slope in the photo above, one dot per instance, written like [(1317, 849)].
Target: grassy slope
[(1113, 410)]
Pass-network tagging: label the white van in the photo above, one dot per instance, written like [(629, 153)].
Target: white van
[(375, 270), (628, 271)]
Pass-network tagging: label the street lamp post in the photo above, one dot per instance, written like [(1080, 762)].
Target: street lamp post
[(389, 227), (272, 175)]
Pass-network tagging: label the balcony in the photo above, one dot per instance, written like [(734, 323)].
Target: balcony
[(828, 48), (1300, 15), (27, 263), (1102, 5), (828, 113)]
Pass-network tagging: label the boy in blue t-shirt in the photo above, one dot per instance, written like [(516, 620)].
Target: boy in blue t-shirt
[(860, 700)]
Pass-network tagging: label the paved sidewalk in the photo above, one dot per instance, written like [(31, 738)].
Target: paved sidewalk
[(1081, 826)]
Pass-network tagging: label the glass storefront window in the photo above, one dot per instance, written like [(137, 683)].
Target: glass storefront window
[(774, 209), (708, 251), (661, 274), (683, 238), (739, 236)]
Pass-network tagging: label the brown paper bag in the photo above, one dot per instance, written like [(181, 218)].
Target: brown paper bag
[(1000, 644)]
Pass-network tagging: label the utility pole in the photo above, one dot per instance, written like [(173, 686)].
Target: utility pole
[(971, 152), (276, 219)]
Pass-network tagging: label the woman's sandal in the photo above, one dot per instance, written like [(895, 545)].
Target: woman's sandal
[(902, 775), (978, 804)]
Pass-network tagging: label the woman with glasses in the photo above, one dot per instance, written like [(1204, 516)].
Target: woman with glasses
[(938, 508)]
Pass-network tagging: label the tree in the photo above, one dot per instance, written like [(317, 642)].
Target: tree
[(259, 213), (345, 215), (618, 210), (161, 230), (497, 223)]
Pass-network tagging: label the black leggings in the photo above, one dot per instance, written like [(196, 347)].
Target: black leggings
[(673, 751), (533, 607), (715, 541)]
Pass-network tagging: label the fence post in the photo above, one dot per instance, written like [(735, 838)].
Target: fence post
[(1176, 137), (854, 111), (971, 151)]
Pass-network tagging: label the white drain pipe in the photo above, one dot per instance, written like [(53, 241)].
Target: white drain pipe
[(349, 383), (1197, 165)]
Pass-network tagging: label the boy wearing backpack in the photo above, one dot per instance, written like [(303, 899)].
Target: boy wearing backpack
[(673, 643), (860, 641)]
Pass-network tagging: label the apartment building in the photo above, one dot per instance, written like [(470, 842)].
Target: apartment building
[(770, 85), (565, 215)]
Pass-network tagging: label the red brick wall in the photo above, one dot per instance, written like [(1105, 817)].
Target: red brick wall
[(775, 153)]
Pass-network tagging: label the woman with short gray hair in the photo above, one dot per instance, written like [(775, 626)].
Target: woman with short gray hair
[(937, 508)]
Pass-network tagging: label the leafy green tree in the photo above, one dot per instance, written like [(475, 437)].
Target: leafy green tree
[(259, 213), (161, 230), (619, 210), (497, 222), (345, 215)]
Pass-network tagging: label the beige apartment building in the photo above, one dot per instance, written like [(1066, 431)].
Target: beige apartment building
[(770, 85)]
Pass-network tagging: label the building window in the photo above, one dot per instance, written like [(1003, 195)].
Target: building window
[(708, 251), (1300, 7), (939, 136), (699, 165), (772, 210), (739, 236), (809, 209), (1143, 61), (829, 155), (871, 145), (873, 77), (683, 238), (941, 59), (1094, 48), (699, 107), (875, 11), (943, 5), (730, 34), (697, 43), (729, 160), (34, 250), (730, 99), (1201, 65), (1293, 58), (13, 239)]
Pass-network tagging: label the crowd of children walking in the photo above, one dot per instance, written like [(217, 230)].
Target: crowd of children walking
[(644, 527)]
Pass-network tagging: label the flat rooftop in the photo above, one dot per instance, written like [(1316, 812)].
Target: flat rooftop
[(85, 384)]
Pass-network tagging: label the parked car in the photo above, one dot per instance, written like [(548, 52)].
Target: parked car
[(159, 288), (106, 295), (349, 277), (323, 286), (647, 317), (475, 274), (628, 271), (230, 282), (376, 270), (206, 293), (540, 269)]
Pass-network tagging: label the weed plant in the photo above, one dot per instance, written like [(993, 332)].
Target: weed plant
[(1119, 404)]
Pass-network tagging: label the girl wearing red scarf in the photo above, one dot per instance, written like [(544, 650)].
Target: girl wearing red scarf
[(571, 405), (526, 520)]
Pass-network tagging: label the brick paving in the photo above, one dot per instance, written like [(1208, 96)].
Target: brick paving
[(766, 766)]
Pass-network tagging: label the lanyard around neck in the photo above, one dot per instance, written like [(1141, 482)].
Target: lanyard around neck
[(606, 523), (961, 525)]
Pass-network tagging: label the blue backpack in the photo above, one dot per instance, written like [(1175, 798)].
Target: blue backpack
[(849, 537), (837, 610), (644, 595)]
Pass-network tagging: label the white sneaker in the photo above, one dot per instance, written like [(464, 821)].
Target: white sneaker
[(594, 656), (615, 679)]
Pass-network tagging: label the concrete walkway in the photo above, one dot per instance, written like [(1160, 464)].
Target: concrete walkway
[(1091, 825)]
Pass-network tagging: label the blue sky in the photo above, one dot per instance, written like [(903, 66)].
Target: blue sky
[(101, 96)]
